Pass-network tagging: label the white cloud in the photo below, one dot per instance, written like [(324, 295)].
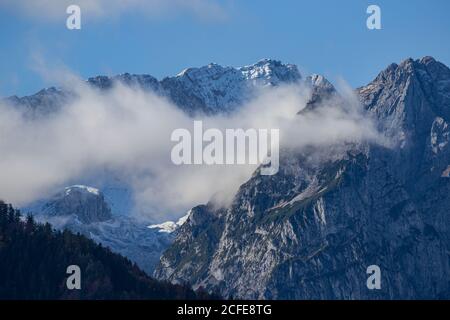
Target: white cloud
[(128, 131), (56, 9)]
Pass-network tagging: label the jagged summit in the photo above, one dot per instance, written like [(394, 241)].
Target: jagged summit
[(144, 81), (84, 203), (209, 89), (427, 59), (321, 90), (408, 97), (410, 66), (272, 71), (213, 88), (210, 70), (320, 84)]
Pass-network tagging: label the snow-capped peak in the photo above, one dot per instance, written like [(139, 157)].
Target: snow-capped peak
[(85, 204), (271, 72)]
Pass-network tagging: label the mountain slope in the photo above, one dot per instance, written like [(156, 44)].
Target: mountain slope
[(311, 231), (83, 209)]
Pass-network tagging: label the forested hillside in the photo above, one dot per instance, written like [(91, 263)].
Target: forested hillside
[(34, 260)]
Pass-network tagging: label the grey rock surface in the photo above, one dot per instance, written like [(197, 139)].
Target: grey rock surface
[(311, 231)]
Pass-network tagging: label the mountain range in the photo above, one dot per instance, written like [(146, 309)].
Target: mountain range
[(206, 90), (311, 230), (103, 215)]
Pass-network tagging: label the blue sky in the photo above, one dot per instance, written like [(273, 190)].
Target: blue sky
[(322, 36)]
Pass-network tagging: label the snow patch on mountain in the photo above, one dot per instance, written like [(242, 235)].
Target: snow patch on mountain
[(82, 188), (170, 226)]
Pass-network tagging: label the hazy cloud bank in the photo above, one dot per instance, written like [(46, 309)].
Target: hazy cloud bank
[(128, 132)]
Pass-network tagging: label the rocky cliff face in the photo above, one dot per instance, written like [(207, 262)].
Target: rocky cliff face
[(311, 231), (86, 204)]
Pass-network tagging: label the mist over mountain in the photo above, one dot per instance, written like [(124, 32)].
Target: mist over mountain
[(102, 215), (311, 231), (78, 133), (206, 90), (363, 180)]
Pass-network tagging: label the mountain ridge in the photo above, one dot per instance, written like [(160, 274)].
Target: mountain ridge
[(204, 90), (310, 231)]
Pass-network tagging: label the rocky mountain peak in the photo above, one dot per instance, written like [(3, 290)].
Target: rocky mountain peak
[(427, 60), (142, 81), (408, 97), (211, 71), (86, 203), (426, 68), (267, 71), (321, 90), (271, 72), (215, 89)]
